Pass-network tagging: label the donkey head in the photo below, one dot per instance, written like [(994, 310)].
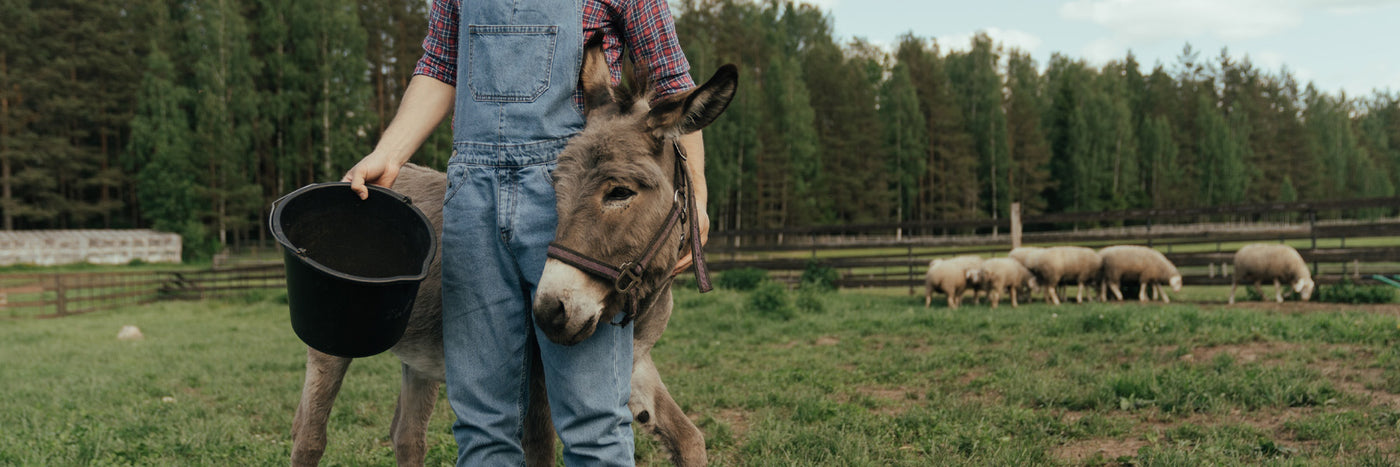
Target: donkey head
[(615, 188)]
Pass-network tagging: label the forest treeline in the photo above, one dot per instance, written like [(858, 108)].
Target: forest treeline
[(192, 116)]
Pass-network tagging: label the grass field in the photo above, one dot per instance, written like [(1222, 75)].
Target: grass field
[(866, 379)]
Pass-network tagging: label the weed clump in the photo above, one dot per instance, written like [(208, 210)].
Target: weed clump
[(741, 279), (771, 299), (819, 276), (1348, 292)]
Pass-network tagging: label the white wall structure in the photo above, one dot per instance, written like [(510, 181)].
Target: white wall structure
[(53, 247)]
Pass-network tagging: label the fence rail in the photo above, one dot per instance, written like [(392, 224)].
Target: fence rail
[(903, 264), (62, 294)]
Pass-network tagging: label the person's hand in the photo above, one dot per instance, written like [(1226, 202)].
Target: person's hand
[(703, 219), (375, 169)]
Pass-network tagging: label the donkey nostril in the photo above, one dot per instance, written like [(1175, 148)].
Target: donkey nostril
[(643, 417), (549, 308)]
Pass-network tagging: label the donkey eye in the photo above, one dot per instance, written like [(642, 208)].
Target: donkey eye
[(619, 194)]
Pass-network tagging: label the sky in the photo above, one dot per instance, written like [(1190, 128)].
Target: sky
[(1340, 45)]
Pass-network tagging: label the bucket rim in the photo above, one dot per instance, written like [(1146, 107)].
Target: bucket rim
[(275, 224)]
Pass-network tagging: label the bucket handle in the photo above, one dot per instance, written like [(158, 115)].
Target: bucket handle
[(400, 196)]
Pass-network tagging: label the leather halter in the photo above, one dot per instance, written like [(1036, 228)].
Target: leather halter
[(626, 276)]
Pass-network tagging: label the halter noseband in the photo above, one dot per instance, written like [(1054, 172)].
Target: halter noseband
[(626, 276)]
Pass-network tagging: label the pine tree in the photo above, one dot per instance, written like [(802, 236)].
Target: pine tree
[(974, 75), (159, 155), (1029, 152), (225, 108), (948, 188), (906, 138)]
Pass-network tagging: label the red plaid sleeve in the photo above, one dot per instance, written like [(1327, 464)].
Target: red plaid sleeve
[(647, 30), (440, 46)]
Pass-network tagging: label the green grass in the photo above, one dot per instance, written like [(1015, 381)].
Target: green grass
[(862, 379)]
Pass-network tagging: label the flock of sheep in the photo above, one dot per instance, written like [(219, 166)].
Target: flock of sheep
[(1029, 268)]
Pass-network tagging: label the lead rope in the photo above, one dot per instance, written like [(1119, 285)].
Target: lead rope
[(697, 249)]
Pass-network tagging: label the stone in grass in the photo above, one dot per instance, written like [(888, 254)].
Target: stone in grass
[(130, 333)]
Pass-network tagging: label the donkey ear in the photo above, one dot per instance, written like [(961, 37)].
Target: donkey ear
[(595, 77), (688, 112)]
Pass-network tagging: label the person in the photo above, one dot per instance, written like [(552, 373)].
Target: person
[(510, 73)]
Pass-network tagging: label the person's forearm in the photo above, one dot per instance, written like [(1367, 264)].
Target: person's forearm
[(694, 145), (424, 104)]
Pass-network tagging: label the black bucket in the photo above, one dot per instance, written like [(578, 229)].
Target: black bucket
[(353, 266)]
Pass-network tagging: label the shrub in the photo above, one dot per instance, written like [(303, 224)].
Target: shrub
[(1348, 292), (809, 299), (771, 299), (741, 279), (819, 276)]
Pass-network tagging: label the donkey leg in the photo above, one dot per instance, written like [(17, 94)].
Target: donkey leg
[(654, 409), (417, 395), (538, 440), (324, 374)]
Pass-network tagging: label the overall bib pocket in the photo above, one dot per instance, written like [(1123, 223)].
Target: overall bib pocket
[(456, 178), (510, 63)]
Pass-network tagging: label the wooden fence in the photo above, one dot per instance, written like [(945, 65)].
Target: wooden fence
[(1202, 255), (62, 294), (1149, 225), (1330, 266)]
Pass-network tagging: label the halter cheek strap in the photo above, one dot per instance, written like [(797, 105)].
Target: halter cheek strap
[(628, 275)]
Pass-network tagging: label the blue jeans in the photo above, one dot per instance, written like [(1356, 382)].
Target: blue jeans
[(517, 69), (500, 219)]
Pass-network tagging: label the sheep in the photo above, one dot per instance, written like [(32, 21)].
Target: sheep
[(1268, 261), (1000, 274), (1137, 263), (1067, 263), (1022, 255), (951, 277)]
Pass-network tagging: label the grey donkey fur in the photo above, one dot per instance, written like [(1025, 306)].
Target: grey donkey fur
[(421, 353)]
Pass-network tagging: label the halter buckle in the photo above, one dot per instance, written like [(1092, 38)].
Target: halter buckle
[(627, 278)]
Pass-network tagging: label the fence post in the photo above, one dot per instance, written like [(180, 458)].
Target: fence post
[(1149, 232), (1015, 225), (1312, 227), (59, 295), (910, 260)]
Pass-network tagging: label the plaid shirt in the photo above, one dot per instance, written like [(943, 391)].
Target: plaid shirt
[(645, 26)]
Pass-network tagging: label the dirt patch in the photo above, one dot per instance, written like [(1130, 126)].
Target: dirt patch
[(1251, 352), (1346, 366), (1106, 449), (1364, 381), (970, 376), (827, 340), (1311, 307), (900, 399), (738, 421)]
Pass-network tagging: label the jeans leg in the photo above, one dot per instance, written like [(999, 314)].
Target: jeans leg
[(589, 383), (485, 324)]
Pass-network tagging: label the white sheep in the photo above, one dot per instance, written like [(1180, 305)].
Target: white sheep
[(1062, 263), (1022, 255), (949, 276), (1001, 274), (1148, 267), (1272, 261)]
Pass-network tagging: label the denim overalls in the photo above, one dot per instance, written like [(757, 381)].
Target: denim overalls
[(517, 71)]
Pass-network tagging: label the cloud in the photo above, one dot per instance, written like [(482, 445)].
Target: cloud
[(1008, 38), (1352, 7), (1147, 20)]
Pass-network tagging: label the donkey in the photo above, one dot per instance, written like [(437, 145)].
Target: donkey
[(618, 172)]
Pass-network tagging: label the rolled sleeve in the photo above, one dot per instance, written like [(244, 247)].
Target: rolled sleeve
[(650, 34), (440, 46)]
